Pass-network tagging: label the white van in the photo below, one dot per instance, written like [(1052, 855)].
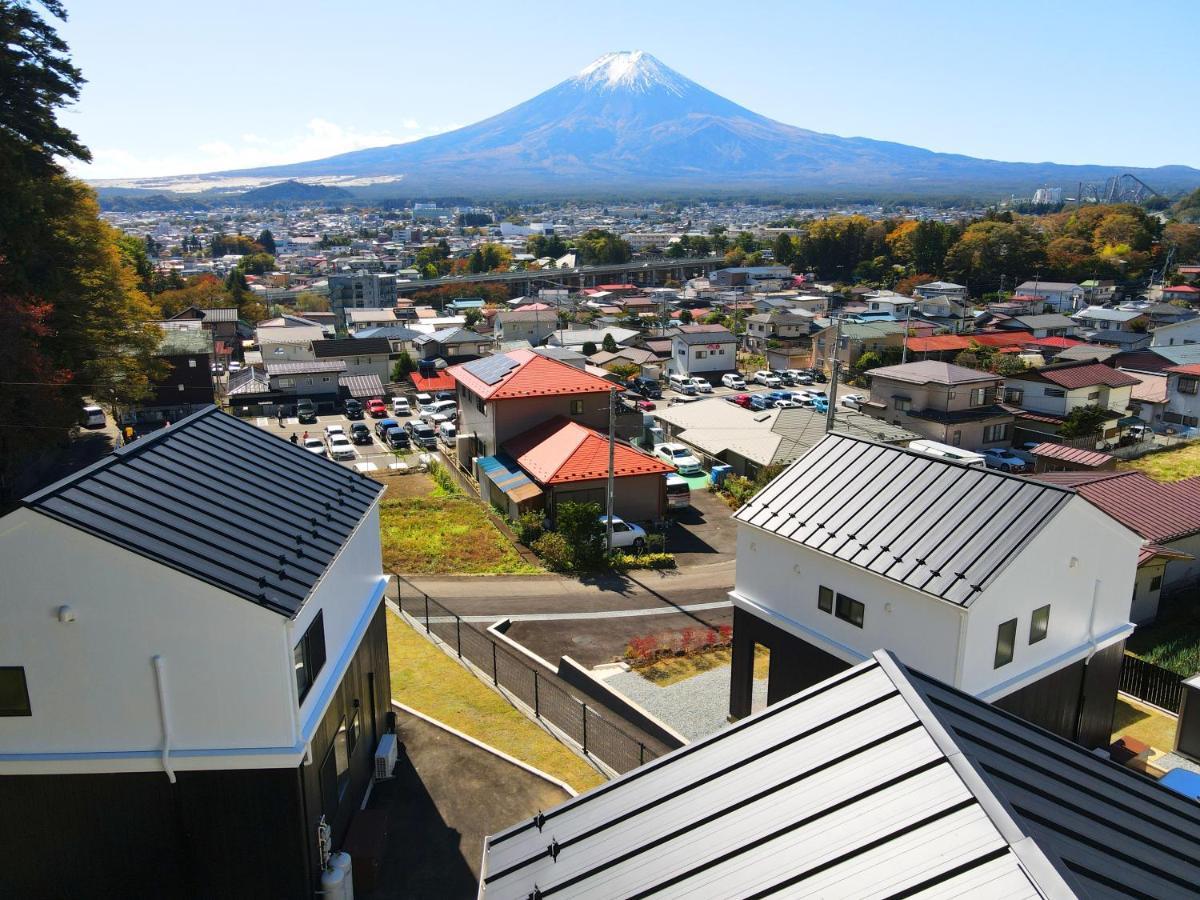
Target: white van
[(92, 417), (679, 494), (447, 408), (946, 451), (681, 383), (447, 433)]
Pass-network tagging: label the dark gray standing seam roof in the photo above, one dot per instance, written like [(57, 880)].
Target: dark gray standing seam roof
[(877, 782), (222, 501), (937, 526)]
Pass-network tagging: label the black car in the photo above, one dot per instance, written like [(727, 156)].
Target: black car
[(445, 395), (354, 409), (648, 387), (360, 433), (397, 438), (306, 412), (422, 434)]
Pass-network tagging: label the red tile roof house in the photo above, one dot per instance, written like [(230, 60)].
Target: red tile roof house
[(569, 461), (1165, 514), (1042, 398)]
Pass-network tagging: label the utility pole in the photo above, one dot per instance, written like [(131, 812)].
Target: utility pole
[(833, 377), (904, 348), (612, 451)]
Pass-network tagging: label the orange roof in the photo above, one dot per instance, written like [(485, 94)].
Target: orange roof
[(532, 375), (439, 382), (560, 451), (938, 342), (1055, 341), (1002, 338), (1189, 369)]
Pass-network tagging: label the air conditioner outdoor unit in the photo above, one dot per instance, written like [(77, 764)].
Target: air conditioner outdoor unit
[(385, 757)]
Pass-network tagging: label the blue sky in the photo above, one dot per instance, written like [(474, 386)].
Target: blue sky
[(178, 88)]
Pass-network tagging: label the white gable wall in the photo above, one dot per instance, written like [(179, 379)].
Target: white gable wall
[(92, 682), (1043, 574)]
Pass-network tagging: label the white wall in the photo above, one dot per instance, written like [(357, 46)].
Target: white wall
[(1176, 335), (1180, 571), (1043, 574), (1145, 597), (686, 359), (783, 576), (91, 682)]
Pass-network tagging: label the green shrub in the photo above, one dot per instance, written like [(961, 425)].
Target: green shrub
[(581, 528), (624, 561), (447, 486), (656, 542), (554, 551), (529, 527)]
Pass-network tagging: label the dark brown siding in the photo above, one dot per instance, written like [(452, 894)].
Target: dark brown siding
[(795, 664)]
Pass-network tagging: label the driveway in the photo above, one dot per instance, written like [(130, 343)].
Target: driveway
[(704, 533)]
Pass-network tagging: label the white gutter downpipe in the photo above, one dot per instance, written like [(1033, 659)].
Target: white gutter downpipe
[(1091, 634), (160, 678)]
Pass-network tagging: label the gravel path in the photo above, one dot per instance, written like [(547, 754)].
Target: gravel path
[(695, 707)]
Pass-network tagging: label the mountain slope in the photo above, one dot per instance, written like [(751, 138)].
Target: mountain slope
[(628, 121)]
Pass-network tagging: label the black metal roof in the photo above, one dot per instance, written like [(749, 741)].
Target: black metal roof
[(341, 347), (937, 526), (222, 501), (706, 337), (876, 782)]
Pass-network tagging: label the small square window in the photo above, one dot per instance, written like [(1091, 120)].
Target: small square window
[(825, 599), (577, 407), (1039, 624), (14, 692), (850, 610), (1006, 640), (1156, 582), (191, 363)]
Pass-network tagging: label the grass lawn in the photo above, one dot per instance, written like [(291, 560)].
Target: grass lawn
[(426, 679), (677, 668), (1168, 465), (1145, 723), (439, 535), (1172, 642)]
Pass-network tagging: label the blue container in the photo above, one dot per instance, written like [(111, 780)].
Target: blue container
[(718, 473)]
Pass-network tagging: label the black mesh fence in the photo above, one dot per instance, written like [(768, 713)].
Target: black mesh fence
[(542, 694)]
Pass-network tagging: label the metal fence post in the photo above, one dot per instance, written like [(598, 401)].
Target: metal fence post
[(427, 614), (458, 635), (537, 712), (495, 671), (584, 705), (641, 753)]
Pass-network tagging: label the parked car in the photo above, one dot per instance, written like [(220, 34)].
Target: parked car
[(818, 376), (625, 534), (733, 381), (92, 417), (636, 401), (646, 386), (447, 408), (820, 404), (742, 400), (766, 378), (852, 401), (360, 433), (376, 407), (701, 386), (680, 457), (788, 404), (422, 434), (423, 399), (382, 426), (331, 430), (799, 376), (396, 438), (340, 446), (400, 407), (306, 411), (759, 402), (681, 383), (776, 396), (314, 445), (444, 395), (353, 408), (1002, 459), (679, 493), (447, 433)]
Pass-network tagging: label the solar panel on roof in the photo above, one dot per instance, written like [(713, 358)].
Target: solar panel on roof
[(491, 369)]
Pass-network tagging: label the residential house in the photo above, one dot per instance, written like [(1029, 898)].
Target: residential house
[(503, 396), (1042, 398), (362, 319), (749, 441), (898, 306), (942, 402), (205, 683), (1014, 591), (398, 337), (856, 339), (186, 386), (1148, 398), (1061, 296), (1101, 318), (569, 462), (362, 356), (1050, 457), (287, 343), (1040, 326), (223, 324), (525, 324), (460, 305), (1167, 517), (327, 325), (942, 290), (1125, 341), (877, 782), (1161, 314), (1179, 334), (708, 353), (315, 380), (1182, 409), (575, 338), (1097, 291), (1186, 293), (781, 329), (453, 344)]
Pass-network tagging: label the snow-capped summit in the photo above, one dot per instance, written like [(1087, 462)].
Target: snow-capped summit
[(631, 70)]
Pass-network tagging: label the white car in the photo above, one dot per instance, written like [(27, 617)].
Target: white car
[(788, 404), (701, 385), (625, 534), (340, 447), (766, 378), (446, 408), (798, 377), (680, 457), (853, 401), (314, 445), (331, 430), (734, 381), (400, 407)]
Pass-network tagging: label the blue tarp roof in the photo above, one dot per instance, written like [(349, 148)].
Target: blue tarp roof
[(503, 471), (1182, 781)]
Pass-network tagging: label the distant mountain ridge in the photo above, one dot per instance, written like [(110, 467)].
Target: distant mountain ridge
[(629, 122)]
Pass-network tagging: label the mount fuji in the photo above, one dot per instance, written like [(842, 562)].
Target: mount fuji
[(627, 122)]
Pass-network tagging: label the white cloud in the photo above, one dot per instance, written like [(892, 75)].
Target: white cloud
[(320, 138)]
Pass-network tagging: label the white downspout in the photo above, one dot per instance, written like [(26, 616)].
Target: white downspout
[(160, 678), (1091, 635)]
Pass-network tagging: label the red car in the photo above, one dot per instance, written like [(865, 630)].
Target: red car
[(742, 400), (376, 408)]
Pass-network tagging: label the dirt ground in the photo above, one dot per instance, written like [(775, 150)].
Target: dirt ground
[(400, 487)]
